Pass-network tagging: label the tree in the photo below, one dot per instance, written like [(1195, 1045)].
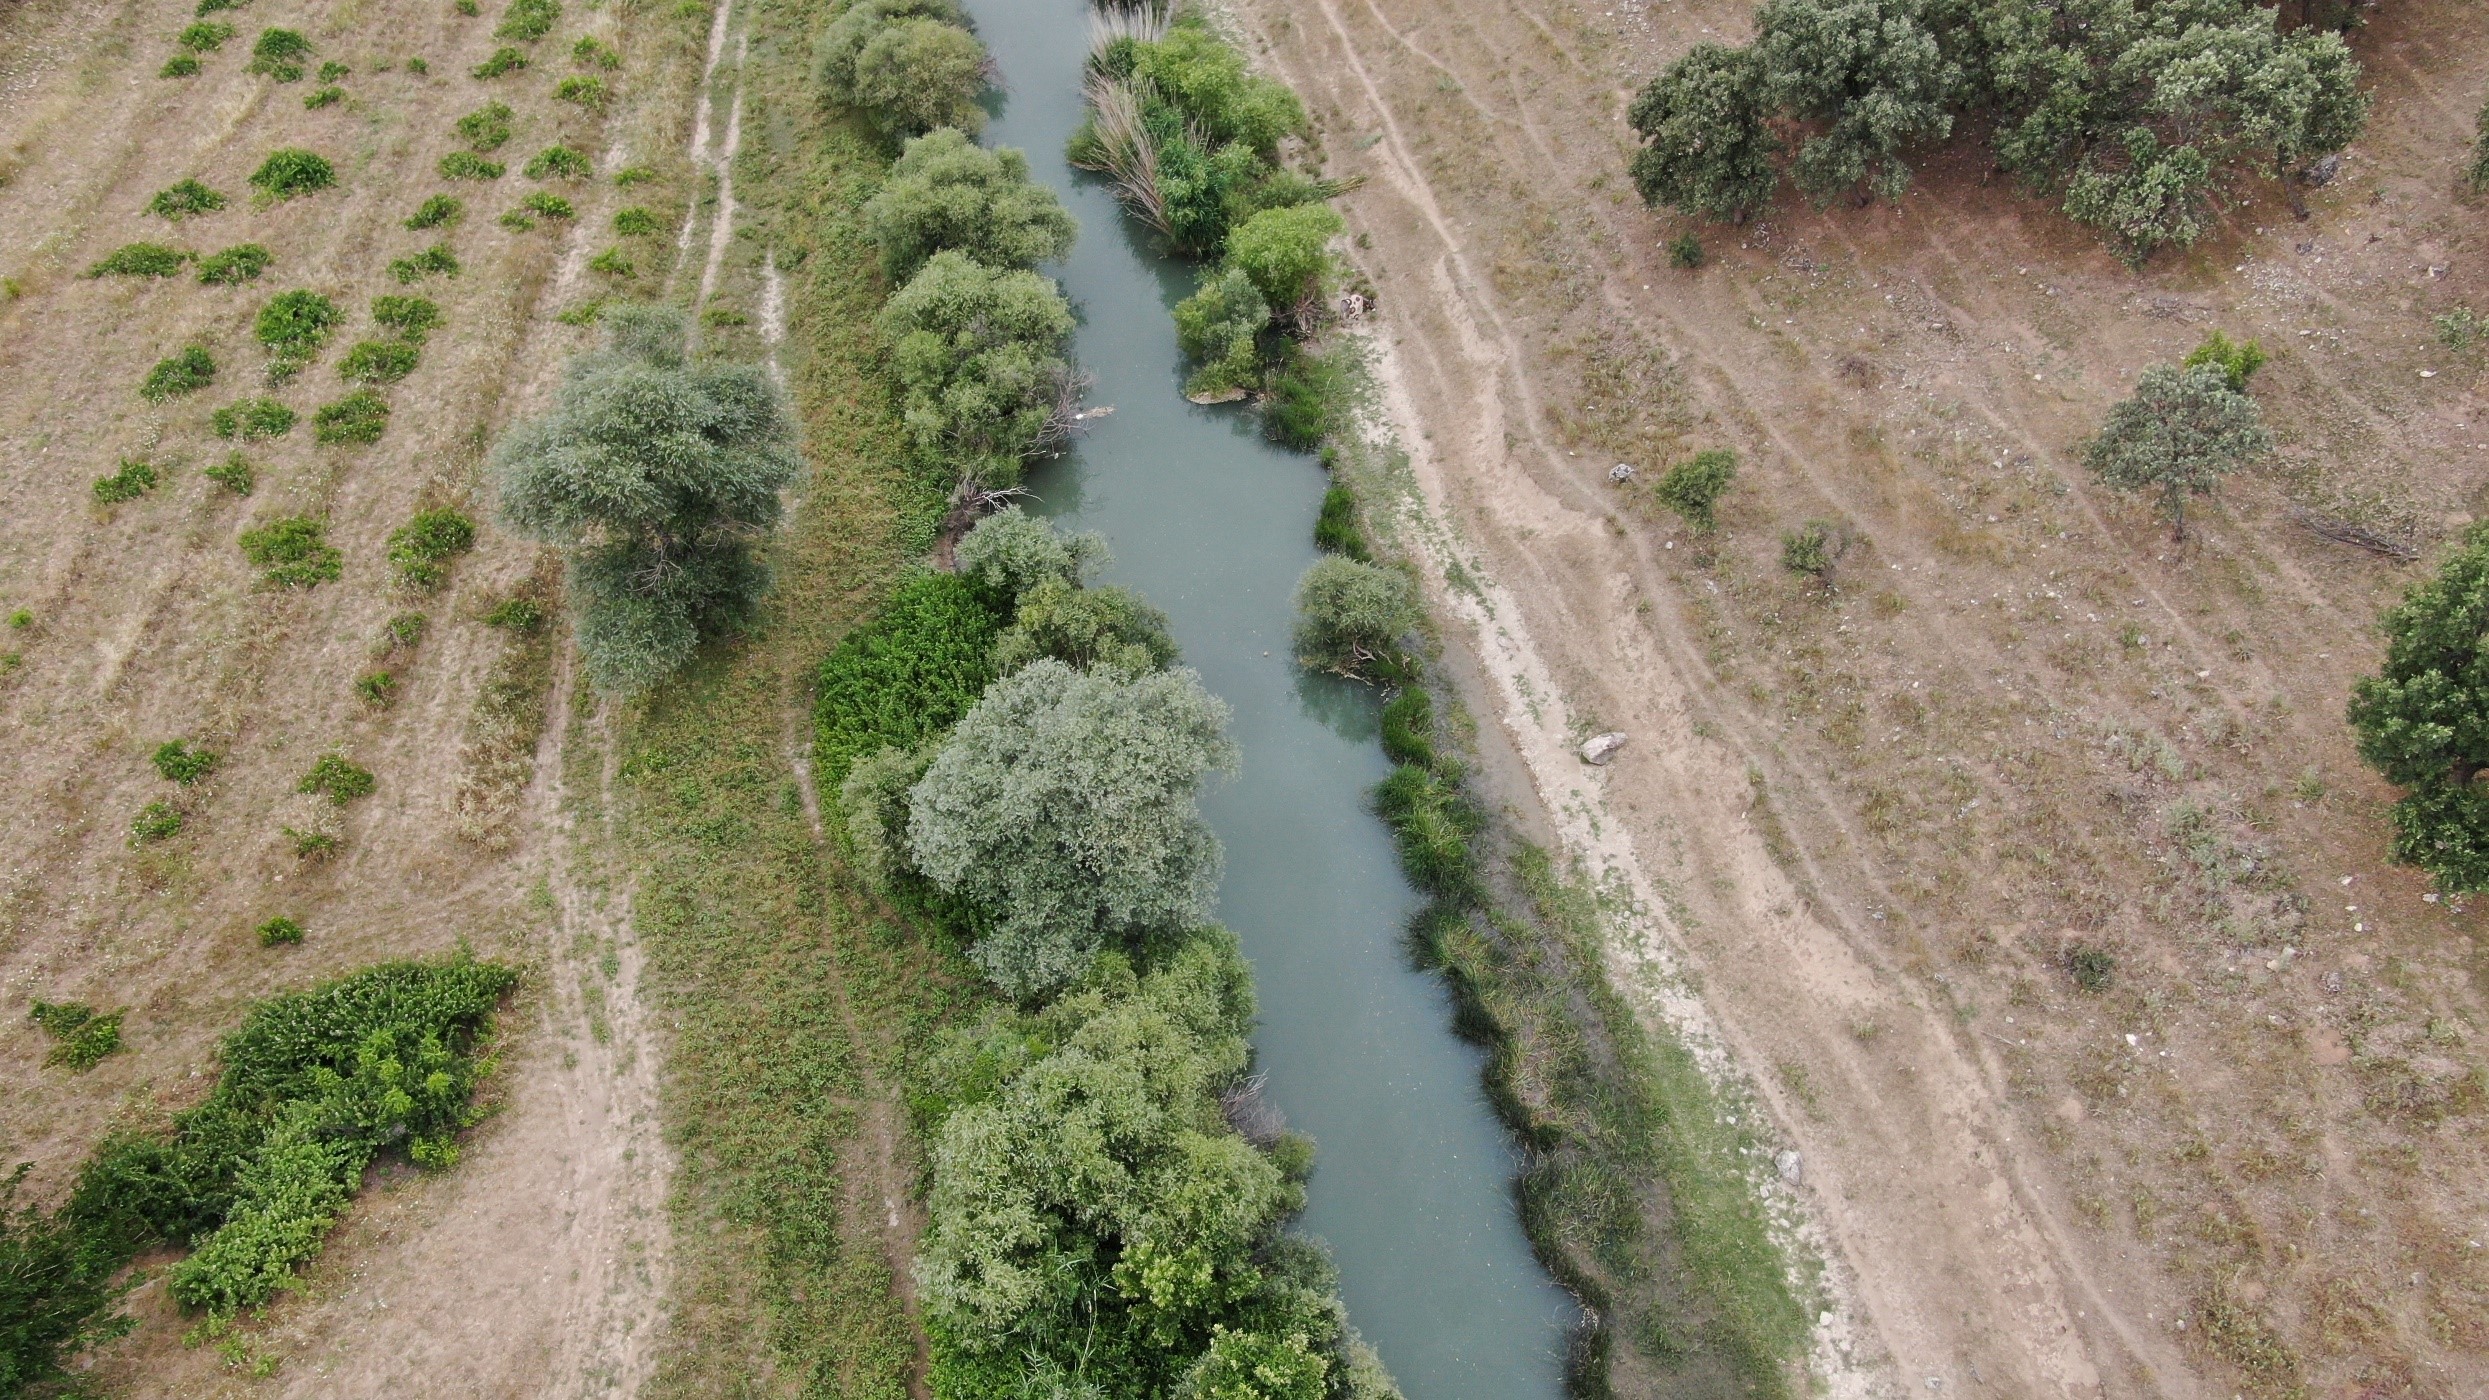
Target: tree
[(2423, 720), (2184, 430), (2478, 176), (947, 192), (1216, 92), (1705, 148), (1349, 615), (1011, 551), (1085, 627), (2142, 194), (1693, 487), (655, 476), (1219, 328), (983, 383), (1061, 814), (920, 74), (1284, 252), (1874, 76)]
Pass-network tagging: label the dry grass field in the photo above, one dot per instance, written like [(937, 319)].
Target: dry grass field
[(2019, 722)]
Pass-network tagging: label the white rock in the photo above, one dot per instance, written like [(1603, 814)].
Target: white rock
[(1600, 749), (1620, 473), (1788, 1164)]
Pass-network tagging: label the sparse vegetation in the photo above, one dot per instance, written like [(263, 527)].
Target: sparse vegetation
[(1814, 549), (420, 549), (140, 260), (292, 552), (243, 262), (503, 60), (435, 212), (376, 688), (1685, 252), (157, 821), (355, 420), (135, 477), (252, 420), (328, 96), (185, 199), (184, 373), (2478, 174), (612, 263), (81, 1035)]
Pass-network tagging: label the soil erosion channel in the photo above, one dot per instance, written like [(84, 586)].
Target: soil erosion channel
[(1214, 525)]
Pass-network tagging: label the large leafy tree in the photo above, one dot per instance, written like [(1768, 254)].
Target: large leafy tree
[(947, 192), (656, 476), (979, 357), (1871, 78), (2423, 720), (1061, 815), (1705, 148), (2183, 431), (908, 65)]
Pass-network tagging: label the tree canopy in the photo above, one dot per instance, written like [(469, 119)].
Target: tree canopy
[(1086, 628), (2423, 719), (908, 65), (1868, 76), (2184, 430), (655, 476), (1011, 551), (982, 377), (1061, 814), (1350, 614), (1705, 148), (946, 192)]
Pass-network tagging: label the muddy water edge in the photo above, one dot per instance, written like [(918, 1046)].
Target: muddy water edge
[(1414, 1187)]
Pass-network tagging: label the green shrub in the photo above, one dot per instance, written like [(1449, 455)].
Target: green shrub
[(133, 479), (252, 420), (406, 629), (630, 175), (486, 128), (467, 7), (1308, 400), (1408, 727), (418, 67), (520, 614), (1685, 252), (243, 262), (1813, 548), (178, 762), (1692, 488), (328, 96), (1286, 253), (2179, 435), (516, 220), (2237, 359), (529, 20), (293, 552), (590, 93), (377, 689), (337, 778), (354, 420), (233, 473), (1431, 823), (436, 260), (1085, 628), (279, 931), (1351, 616), (903, 677), (2092, 968), (467, 165), (311, 845), (183, 200), (21, 619), (1219, 328), (180, 65), (559, 162), (294, 326), (82, 1036), (185, 373), (141, 260), (157, 821), (1011, 551), (421, 549), (2477, 175), (503, 60), (2414, 720), (612, 263), (548, 204), (412, 318), (291, 172), (634, 222), (434, 212), (56, 1296), (279, 54), (379, 361), (2461, 329), (591, 52), (1336, 529)]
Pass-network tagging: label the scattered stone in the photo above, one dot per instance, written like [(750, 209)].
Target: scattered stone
[(1788, 1164), (1621, 473), (1600, 749)]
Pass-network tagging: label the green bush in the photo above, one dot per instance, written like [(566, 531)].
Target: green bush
[(503, 60), (157, 821), (379, 361), (1408, 727), (948, 193), (1308, 399), (294, 326), (1351, 616), (2417, 720), (243, 262), (333, 70), (1011, 551), (1692, 488), (2477, 176), (983, 384), (486, 128), (591, 52), (178, 762), (2092, 968), (82, 1037), (279, 931), (418, 67), (252, 420), (420, 549), (467, 165), (1685, 252), (1432, 823), (612, 263), (56, 1296), (1336, 530), (579, 91), (291, 172), (520, 614), (1086, 628), (1286, 253), (440, 209), (529, 20), (559, 162), (328, 96), (1813, 548), (412, 318), (377, 688), (551, 205), (2237, 359), (175, 375), (185, 199), (279, 54), (180, 65), (292, 552), (234, 474), (904, 677), (1219, 328), (435, 261), (635, 222), (337, 778), (352, 421), (133, 479), (407, 629), (141, 260)]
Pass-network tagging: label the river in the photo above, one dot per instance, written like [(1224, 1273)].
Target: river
[(1413, 1188)]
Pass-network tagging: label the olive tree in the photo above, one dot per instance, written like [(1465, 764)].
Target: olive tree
[(2184, 430), (655, 476), (1061, 815), (947, 192), (1868, 74), (2423, 720), (1705, 149), (978, 352), (1349, 615)]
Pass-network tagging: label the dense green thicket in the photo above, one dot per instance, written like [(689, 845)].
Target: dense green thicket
[(2423, 720), (2139, 116), (904, 677), (1351, 616), (655, 475), (315, 1085)]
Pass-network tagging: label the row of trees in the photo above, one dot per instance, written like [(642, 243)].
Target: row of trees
[(2137, 115)]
